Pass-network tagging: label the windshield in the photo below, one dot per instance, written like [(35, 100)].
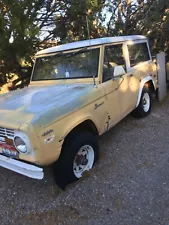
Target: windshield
[(80, 64)]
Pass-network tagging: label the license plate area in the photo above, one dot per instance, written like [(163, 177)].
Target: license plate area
[(9, 151)]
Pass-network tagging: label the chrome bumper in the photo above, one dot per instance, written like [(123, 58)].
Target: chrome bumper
[(21, 167)]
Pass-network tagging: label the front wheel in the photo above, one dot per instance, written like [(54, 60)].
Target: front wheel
[(78, 156), (144, 107)]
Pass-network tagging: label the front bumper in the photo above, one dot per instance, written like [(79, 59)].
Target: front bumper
[(21, 167)]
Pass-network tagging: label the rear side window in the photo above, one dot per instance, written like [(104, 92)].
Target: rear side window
[(138, 53)]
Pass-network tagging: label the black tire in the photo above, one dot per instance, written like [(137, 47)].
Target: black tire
[(140, 111), (63, 169)]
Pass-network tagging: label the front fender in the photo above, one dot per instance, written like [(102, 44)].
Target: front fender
[(71, 124)]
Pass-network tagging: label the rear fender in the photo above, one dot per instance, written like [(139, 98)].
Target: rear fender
[(142, 84)]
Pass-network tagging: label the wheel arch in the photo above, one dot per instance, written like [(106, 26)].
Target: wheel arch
[(147, 81), (86, 125)]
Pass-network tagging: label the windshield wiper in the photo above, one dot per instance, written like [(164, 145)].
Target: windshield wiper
[(59, 53), (75, 53)]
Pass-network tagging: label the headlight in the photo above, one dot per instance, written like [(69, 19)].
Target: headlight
[(20, 145), (22, 142)]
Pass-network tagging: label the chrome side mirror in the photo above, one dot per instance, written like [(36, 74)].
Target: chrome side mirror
[(118, 71)]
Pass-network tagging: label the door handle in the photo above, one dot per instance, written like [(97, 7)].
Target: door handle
[(116, 78)]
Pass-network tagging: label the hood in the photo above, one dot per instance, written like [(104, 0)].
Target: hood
[(41, 103)]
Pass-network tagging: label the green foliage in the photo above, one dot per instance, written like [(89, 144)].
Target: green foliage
[(26, 26), (21, 22), (156, 25), (71, 22), (147, 17), (16, 24)]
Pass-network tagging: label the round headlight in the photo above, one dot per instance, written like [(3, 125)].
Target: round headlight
[(20, 145)]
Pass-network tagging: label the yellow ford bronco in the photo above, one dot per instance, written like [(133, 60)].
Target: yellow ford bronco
[(77, 92)]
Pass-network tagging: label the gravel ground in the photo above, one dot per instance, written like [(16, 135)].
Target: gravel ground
[(129, 184)]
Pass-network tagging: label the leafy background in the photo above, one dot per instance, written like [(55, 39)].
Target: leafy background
[(28, 26)]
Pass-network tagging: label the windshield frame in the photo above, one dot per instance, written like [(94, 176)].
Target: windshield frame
[(88, 48)]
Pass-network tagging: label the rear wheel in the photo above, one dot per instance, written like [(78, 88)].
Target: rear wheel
[(144, 107), (78, 156)]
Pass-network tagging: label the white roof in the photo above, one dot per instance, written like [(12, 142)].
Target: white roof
[(86, 43)]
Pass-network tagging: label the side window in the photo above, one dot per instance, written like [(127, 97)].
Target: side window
[(113, 57), (138, 53)]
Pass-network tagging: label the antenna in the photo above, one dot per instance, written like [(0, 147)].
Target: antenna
[(88, 31)]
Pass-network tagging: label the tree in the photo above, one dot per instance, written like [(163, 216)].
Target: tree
[(26, 26), (155, 26), (147, 17), (21, 24), (71, 24)]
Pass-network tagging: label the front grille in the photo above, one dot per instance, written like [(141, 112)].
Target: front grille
[(5, 132)]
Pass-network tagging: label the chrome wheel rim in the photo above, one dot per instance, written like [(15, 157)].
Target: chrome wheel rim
[(146, 102), (83, 161)]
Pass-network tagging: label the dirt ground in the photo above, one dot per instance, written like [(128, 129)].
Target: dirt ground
[(128, 186)]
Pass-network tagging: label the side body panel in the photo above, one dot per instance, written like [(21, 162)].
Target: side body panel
[(141, 73), (120, 91)]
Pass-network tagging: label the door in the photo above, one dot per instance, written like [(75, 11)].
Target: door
[(116, 83)]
